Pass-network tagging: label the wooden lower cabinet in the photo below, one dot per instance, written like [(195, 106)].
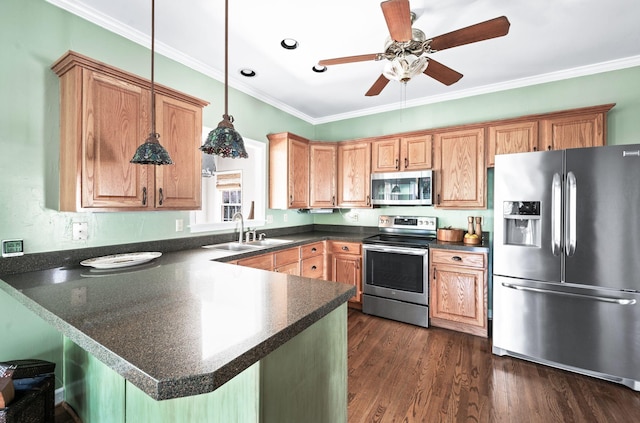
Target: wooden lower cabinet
[(312, 260), (458, 291), (287, 261), (346, 267), (263, 261)]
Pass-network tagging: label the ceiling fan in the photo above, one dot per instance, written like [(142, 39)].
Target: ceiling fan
[(407, 50)]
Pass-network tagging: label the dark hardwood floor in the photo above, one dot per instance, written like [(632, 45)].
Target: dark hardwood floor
[(403, 373)]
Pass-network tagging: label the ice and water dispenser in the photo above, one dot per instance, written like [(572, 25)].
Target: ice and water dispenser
[(522, 224)]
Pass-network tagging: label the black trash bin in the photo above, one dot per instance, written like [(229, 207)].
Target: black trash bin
[(34, 384)]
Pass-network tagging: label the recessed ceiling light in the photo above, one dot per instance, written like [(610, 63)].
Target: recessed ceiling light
[(249, 73), (319, 69), (289, 44)]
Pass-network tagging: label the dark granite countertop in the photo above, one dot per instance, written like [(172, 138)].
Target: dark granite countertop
[(182, 324)]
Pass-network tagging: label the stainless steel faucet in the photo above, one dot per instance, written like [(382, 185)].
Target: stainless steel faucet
[(233, 219)]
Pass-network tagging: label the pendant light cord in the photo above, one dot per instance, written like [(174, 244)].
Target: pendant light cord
[(153, 96), (226, 59)]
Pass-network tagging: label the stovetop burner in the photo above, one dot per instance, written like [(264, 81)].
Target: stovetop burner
[(400, 240)]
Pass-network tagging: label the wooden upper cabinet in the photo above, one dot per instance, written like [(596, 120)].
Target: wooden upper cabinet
[(354, 174), (416, 152), (104, 117), (288, 171), (401, 153), (385, 155), (519, 137), (460, 169), (574, 129), (323, 174), (180, 128)]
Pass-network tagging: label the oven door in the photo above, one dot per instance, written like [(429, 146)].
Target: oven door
[(398, 273)]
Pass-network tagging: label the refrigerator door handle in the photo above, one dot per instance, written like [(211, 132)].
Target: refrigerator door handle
[(556, 214), (570, 215), (620, 301)]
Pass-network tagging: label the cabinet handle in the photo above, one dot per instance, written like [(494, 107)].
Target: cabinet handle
[(535, 148), (397, 164), (345, 248), (368, 200), (548, 148), (406, 163), (438, 202), (161, 196), (434, 273), (290, 199), (314, 267), (333, 200), (456, 258), (314, 249), (144, 196)]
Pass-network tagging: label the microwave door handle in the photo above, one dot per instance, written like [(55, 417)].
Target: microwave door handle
[(556, 214), (570, 215)]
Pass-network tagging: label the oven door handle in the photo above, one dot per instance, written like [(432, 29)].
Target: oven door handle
[(398, 250)]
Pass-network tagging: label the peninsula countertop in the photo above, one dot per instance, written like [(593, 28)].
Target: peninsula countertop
[(180, 325)]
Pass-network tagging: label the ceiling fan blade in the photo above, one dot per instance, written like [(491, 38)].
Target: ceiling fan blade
[(398, 16), (348, 59), (442, 73), (377, 86), (492, 28)]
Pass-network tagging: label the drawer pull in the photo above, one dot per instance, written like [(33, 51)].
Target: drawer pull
[(144, 196), (161, 196), (456, 258), (345, 248), (314, 249), (314, 267)]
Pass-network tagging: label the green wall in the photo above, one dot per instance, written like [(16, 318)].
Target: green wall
[(33, 34)]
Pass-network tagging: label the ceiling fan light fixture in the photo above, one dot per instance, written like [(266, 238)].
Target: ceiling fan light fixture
[(403, 68)]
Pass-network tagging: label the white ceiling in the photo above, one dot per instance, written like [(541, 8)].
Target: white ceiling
[(548, 40)]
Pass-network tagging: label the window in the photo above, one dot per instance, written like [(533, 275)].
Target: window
[(232, 185)]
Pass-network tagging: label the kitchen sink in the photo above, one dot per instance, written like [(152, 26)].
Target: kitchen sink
[(233, 246), (269, 242)]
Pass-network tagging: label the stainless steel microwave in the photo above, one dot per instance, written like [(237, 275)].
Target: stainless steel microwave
[(402, 188)]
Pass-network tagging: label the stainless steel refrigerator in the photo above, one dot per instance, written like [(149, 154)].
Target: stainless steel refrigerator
[(566, 284)]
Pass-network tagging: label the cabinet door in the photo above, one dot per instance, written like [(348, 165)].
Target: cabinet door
[(313, 267), (322, 174), (458, 299), (584, 130), (460, 169), (178, 186), (354, 169), (288, 171), (263, 261), (346, 268), (416, 152), (511, 138), (289, 269), (115, 116), (385, 155)]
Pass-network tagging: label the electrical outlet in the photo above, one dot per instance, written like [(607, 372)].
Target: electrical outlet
[(269, 218), (354, 217), (285, 217), (80, 231), (179, 225)]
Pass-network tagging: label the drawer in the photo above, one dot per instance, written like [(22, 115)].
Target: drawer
[(346, 247), (264, 261), (313, 267), (291, 255), (458, 258), (310, 250)]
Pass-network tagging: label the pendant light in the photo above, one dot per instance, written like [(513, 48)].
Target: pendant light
[(151, 152), (225, 141)]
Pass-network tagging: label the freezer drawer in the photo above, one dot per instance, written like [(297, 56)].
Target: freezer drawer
[(590, 331)]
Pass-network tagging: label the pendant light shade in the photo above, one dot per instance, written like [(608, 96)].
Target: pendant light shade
[(225, 141), (151, 152)]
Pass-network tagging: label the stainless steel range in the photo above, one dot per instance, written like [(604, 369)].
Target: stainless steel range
[(396, 269)]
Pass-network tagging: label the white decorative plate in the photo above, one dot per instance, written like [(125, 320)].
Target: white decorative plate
[(120, 260)]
